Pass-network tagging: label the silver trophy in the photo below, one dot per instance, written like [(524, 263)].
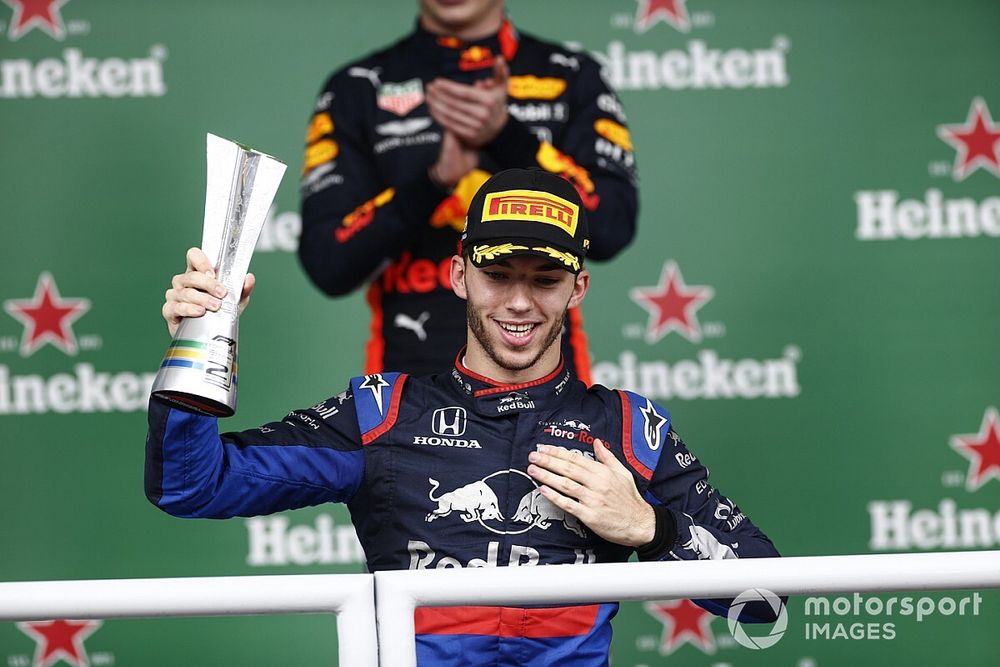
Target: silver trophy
[(199, 369)]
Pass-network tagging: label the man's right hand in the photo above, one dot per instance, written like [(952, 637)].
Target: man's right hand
[(196, 291)]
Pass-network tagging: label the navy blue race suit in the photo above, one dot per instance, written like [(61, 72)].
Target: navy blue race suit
[(370, 213), (433, 471)]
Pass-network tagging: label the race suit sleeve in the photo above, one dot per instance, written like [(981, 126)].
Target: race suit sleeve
[(352, 220), (700, 522), (594, 153), (311, 457)]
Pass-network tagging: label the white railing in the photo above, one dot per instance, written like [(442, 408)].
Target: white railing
[(399, 592), (391, 597), (350, 596)]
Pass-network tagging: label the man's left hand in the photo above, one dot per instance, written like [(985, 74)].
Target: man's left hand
[(601, 493), (475, 113)]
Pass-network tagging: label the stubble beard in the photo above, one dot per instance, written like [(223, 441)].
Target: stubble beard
[(490, 344)]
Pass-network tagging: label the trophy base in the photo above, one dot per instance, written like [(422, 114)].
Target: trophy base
[(199, 369), (194, 403)]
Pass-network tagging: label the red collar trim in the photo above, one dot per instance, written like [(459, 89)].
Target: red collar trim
[(506, 37), (498, 388)]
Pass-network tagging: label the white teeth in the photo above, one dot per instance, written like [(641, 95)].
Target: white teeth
[(517, 330)]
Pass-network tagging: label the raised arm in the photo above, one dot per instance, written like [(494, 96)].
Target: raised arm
[(311, 456)]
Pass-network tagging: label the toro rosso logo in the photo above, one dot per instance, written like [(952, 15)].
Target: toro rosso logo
[(478, 502)]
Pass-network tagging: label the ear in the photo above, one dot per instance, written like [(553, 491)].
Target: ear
[(580, 287), (458, 277)]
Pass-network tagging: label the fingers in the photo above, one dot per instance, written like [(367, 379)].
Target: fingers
[(556, 474), (248, 284), (447, 89), (567, 472), (475, 113), (193, 292), (604, 456), (501, 73), (449, 110), (197, 260), (563, 461), (457, 125)]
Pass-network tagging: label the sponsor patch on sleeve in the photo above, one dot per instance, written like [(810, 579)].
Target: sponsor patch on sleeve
[(531, 87), (321, 126), (614, 132), (319, 153), (376, 399), (645, 430)]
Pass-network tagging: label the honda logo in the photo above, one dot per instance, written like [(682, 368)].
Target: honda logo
[(449, 421)]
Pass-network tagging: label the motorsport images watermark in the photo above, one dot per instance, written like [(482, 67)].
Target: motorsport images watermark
[(872, 613), (868, 615)]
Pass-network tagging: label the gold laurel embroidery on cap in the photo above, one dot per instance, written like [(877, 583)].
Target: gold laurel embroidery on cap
[(490, 252), (564, 257)]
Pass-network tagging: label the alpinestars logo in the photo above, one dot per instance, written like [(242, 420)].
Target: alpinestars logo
[(673, 306), (896, 526), (883, 216), (652, 422), (41, 14), (57, 641), (375, 384), (47, 317)]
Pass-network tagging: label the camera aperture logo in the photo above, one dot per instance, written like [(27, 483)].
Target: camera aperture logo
[(738, 630)]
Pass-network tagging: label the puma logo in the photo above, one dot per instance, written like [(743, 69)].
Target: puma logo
[(404, 321), (364, 73)]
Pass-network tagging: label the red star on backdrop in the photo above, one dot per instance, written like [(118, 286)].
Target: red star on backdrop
[(983, 451), (42, 14), (668, 11), (977, 143), (672, 305), (60, 640), (683, 622), (47, 317)]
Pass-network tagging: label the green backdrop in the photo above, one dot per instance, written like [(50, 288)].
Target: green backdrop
[(812, 293)]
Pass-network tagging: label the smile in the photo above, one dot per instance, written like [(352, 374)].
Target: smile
[(517, 330)]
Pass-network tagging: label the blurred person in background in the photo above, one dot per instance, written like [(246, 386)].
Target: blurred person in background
[(401, 139)]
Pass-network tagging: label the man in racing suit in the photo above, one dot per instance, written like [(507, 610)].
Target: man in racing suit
[(399, 142), (504, 461)]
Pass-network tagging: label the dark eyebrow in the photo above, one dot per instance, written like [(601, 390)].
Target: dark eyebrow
[(551, 266), (548, 266)]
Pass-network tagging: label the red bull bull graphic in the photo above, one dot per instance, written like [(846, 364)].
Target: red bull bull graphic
[(538, 511), (474, 502)]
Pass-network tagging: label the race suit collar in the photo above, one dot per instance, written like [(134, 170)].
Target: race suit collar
[(469, 57), (495, 398)]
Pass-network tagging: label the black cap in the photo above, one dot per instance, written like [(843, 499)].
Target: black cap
[(526, 212)]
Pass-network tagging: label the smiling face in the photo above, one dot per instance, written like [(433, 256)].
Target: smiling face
[(516, 309)]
